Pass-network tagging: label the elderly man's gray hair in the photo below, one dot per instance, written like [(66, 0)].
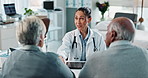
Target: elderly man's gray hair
[(29, 30), (125, 29)]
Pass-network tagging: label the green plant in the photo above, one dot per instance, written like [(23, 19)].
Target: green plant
[(29, 12)]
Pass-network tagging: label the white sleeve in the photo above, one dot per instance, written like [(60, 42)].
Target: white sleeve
[(65, 48), (102, 45)]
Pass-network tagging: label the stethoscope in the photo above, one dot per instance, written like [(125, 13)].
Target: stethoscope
[(75, 44)]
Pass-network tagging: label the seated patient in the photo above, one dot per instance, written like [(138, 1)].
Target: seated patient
[(29, 61), (121, 59)]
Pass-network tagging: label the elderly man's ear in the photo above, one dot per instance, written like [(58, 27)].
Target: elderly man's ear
[(113, 36), (110, 37), (41, 42)]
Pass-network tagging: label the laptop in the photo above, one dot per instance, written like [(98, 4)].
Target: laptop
[(48, 5), (10, 9)]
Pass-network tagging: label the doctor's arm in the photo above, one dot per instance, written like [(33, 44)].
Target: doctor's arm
[(64, 50), (63, 60)]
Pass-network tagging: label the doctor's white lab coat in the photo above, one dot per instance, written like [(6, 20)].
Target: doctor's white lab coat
[(66, 51)]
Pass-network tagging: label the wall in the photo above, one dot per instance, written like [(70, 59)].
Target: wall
[(70, 19), (145, 16), (71, 7), (60, 18)]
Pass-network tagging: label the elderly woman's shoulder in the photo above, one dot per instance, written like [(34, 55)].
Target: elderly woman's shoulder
[(51, 54)]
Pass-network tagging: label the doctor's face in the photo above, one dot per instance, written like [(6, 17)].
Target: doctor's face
[(81, 21)]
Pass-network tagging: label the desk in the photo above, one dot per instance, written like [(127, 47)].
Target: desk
[(8, 36), (3, 57), (141, 38)]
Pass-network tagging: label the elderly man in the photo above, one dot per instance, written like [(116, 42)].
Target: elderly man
[(121, 59), (29, 61)]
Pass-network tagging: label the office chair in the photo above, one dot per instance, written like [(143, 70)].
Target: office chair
[(46, 22), (131, 16)]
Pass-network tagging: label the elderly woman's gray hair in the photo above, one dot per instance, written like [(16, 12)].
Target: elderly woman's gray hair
[(124, 28), (30, 30)]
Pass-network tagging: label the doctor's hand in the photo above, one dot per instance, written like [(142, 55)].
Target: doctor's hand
[(63, 60)]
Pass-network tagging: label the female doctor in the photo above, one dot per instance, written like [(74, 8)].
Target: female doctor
[(82, 42)]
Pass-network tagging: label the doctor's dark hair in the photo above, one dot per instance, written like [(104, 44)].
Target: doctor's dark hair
[(85, 10)]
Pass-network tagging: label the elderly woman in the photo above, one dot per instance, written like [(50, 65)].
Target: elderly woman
[(29, 61)]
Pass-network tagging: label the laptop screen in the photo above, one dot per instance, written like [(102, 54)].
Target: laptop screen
[(9, 9), (49, 5)]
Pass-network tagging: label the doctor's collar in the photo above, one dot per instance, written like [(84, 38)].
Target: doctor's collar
[(78, 31), (87, 36)]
